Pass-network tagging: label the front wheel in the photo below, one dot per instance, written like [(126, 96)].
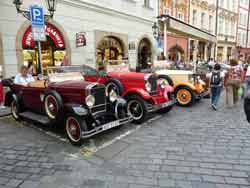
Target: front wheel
[(185, 96), (137, 108), (74, 126)]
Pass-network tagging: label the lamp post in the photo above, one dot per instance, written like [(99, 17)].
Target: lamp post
[(51, 6), (156, 31)]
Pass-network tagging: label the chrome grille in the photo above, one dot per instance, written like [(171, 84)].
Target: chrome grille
[(98, 92), (153, 81)]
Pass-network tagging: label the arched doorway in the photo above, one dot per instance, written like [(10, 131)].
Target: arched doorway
[(53, 49), (110, 49), (144, 54), (176, 54)]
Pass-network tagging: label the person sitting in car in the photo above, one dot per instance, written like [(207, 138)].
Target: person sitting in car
[(23, 78)]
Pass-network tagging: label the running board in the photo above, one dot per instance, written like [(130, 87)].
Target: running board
[(35, 117)]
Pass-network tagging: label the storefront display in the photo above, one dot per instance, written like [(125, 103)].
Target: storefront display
[(53, 49), (109, 50)]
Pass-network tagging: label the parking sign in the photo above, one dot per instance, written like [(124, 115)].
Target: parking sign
[(37, 21)]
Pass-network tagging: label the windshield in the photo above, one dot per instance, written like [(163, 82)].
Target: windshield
[(64, 73)]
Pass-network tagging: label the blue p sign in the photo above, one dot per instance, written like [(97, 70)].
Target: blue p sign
[(37, 16)]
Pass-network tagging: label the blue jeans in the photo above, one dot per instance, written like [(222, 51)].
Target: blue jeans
[(215, 92)]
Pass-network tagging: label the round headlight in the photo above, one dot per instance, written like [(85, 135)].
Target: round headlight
[(113, 95), (148, 86), (90, 101), (163, 83)]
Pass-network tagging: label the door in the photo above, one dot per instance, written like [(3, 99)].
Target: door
[(33, 98)]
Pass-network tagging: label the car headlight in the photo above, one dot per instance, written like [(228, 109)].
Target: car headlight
[(148, 86), (90, 100), (113, 96), (163, 83)]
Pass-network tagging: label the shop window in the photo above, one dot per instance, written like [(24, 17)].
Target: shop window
[(110, 50)]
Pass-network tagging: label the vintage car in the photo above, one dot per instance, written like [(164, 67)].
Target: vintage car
[(141, 91), (188, 87), (67, 99)]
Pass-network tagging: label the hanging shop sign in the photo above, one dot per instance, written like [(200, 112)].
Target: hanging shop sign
[(50, 30), (80, 39)]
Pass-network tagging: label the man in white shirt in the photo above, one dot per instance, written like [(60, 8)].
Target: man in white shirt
[(23, 78)]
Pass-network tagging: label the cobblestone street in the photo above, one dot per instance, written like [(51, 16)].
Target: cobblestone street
[(187, 148)]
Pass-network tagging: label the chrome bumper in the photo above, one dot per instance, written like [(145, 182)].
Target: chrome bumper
[(154, 108), (201, 95), (107, 126)]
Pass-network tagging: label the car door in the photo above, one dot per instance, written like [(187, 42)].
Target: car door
[(33, 98)]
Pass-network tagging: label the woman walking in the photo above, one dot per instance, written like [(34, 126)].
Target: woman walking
[(234, 81)]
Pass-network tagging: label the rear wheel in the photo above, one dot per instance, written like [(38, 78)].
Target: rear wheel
[(74, 125), (15, 110), (185, 96), (137, 108), (53, 105)]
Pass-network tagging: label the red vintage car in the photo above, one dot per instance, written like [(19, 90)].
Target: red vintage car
[(66, 99), (142, 91)]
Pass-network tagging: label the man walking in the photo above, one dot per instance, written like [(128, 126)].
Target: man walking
[(216, 78)]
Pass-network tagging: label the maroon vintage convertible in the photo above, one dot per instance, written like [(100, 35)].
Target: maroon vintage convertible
[(143, 92), (65, 98)]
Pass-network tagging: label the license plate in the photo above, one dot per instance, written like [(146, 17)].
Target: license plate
[(168, 104), (110, 125)]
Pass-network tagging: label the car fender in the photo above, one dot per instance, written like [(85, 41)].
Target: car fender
[(8, 98), (139, 91), (76, 109), (190, 85)]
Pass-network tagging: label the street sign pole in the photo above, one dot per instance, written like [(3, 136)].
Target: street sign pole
[(38, 30), (40, 67)]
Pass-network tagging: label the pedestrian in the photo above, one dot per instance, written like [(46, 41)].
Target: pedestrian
[(246, 77), (216, 80), (233, 84)]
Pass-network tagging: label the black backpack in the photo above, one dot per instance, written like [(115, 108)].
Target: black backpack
[(215, 78)]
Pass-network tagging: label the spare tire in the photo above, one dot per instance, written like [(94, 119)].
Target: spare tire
[(116, 85), (166, 77), (53, 105)]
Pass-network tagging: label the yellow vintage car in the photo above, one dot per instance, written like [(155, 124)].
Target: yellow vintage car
[(188, 86)]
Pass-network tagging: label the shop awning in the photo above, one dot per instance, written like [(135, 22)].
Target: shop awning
[(184, 29)]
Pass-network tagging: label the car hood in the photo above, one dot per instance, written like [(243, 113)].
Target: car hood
[(127, 75), (174, 72), (79, 84)]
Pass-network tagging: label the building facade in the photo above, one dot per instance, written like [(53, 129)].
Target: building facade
[(202, 15), (81, 32), (227, 19), (243, 42), (177, 45)]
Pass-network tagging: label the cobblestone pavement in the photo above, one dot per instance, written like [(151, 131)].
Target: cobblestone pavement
[(187, 148)]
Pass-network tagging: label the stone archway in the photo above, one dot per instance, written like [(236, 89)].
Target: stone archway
[(176, 53), (144, 54), (23, 30), (110, 48)]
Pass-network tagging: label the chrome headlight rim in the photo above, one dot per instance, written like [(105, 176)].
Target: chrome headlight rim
[(148, 86), (90, 101), (113, 96)]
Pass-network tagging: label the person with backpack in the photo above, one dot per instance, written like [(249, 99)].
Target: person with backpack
[(216, 80), (234, 83)]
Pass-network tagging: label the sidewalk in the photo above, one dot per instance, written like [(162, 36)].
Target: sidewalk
[(5, 111)]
